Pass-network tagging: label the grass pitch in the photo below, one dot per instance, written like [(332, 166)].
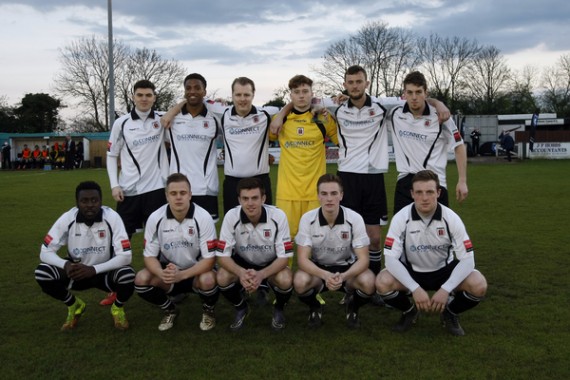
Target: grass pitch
[(516, 215)]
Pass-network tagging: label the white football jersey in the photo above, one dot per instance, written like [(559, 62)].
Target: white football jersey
[(183, 244), (332, 246), (260, 244)]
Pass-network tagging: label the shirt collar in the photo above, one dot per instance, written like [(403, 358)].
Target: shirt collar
[(81, 218), (426, 109), (367, 103), (244, 219), (252, 111), (203, 112), (339, 217), (135, 115), (189, 214), (436, 216)]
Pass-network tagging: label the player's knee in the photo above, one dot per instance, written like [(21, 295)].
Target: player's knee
[(284, 278), (207, 280), (384, 282), (142, 278), (301, 282)]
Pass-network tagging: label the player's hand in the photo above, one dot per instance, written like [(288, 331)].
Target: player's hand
[(275, 126), (439, 301), (117, 194), (421, 298), (255, 279), (80, 271), (166, 120), (170, 273), (443, 113), (333, 281), (461, 191), (340, 98)]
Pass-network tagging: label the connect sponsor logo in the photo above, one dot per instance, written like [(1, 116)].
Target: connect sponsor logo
[(253, 130), (255, 247), (413, 135), (358, 123), (331, 250), (88, 250), (427, 247), (192, 137), (176, 244), (299, 144), (146, 140)]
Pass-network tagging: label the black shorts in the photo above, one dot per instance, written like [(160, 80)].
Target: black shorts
[(403, 194), (136, 209), (209, 203), (433, 280), (230, 191), (365, 194)]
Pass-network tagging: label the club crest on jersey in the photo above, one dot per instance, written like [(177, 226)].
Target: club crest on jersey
[(191, 230), (101, 234), (156, 125), (256, 119), (344, 235), (300, 131), (426, 123), (440, 231), (371, 113), (267, 233), (206, 124)]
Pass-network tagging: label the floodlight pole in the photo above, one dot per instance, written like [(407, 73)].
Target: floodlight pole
[(111, 66)]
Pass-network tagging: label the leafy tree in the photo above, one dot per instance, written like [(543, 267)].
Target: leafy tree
[(37, 113)]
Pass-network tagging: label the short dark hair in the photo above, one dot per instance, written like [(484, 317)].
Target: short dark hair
[(299, 80), (244, 81), (327, 178), (425, 176), (196, 76), (88, 185), (355, 69), (416, 78), (144, 83), (250, 184), (178, 177)]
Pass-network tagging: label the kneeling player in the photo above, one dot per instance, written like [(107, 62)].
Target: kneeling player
[(332, 254), (427, 248), (99, 256), (179, 255), (254, 247)]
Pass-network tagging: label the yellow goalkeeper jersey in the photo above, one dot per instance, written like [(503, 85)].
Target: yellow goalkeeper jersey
[(302, 160)]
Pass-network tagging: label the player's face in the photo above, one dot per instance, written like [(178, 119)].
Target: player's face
[(425, 194), (356, 85), (178, 195), (89, 203), (144, 99), (330, 196), (415, 97), (194, 92), (251, 202), (242, 97), (301, 97)]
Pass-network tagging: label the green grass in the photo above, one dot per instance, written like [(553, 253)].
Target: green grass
[(516, 215)]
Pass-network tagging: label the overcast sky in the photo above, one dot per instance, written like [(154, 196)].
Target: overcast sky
[(268, 41)]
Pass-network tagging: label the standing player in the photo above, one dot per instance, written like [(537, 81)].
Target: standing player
[(193, 144), (422, 142), (302, 160), (254, 247), (245, 131), (427, 248), (179, 255), (98, 256), (332, 254), (137, 140)]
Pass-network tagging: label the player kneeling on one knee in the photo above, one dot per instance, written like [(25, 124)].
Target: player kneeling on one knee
[(332, 254), (99, 256), (427, 249), (254, 248), (179, 255)]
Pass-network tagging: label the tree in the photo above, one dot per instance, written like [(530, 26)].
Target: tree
[(8, 121), (147, 64), (486, 80), (521, 98), (85, 77), (445, 59), (556, 81), (38, 113)]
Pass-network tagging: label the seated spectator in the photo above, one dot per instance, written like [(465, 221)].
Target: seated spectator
[(37, 157), (26, 158)]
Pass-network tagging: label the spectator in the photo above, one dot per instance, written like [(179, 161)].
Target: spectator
[(6, 159), (69, 153), (475, 137), (26, 158)]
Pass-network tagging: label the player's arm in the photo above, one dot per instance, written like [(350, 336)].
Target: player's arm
[(230, 265), (53, 241), (461, 190), (166, 119), (359, 266), (443, 112), (306, 265), (277, 122), (202, 266)]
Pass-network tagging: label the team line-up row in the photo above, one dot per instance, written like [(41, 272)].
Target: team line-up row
[(337, 229)]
